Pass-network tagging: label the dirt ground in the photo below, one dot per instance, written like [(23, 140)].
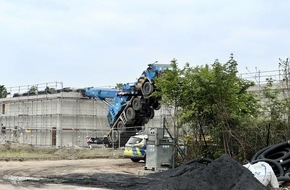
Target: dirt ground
[(30, 168), (69, 174)]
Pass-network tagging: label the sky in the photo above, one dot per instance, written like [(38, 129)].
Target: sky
[(85, 43)]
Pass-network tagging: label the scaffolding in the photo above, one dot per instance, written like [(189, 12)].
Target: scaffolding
[(50, 115), (279, 78)]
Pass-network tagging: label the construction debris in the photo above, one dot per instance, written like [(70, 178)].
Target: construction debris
[(222, 173), (278, 157), (264, 173)]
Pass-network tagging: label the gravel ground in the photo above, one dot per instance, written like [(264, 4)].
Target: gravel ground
[(69, 174)]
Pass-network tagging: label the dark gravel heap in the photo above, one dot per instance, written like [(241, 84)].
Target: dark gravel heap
[(222, 173)]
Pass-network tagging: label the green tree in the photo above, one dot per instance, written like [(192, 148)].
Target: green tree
[(119, 86), (170, 89), (3, 91), (285, 64), (274, 119), (33, 90), (211, 97)]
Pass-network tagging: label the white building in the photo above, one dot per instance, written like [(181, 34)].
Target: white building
[(53, 116)]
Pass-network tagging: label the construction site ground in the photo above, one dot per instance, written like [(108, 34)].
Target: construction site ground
[(99, 173), (29, 168), (26, 167)]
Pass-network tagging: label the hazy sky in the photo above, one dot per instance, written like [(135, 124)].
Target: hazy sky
[(103, 42)]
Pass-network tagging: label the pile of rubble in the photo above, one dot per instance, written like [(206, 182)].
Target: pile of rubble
[(222, 173)]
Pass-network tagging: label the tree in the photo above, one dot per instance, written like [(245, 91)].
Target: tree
[(212, 97), (284, 64), (3, 91), (275, 103), (170, 90), (119, 86), (33, 90)]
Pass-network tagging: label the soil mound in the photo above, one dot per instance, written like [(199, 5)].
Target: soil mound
[(222, 173)]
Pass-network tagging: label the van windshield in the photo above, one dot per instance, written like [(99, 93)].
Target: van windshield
[(134, 140)]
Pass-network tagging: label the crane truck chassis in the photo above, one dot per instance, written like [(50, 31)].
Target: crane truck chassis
[(130, 107)]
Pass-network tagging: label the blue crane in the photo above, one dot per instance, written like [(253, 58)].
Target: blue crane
[(130, 107)]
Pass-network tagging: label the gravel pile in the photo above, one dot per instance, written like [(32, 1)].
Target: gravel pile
[(222, 173)]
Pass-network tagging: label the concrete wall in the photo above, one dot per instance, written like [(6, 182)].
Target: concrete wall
[(61, 119)]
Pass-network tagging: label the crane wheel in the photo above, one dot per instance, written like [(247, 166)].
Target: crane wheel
[(156, 105), (147, 88), (136, 104), (151, 113), (130, 113), (145, 121), (114, 136), (120, 126)]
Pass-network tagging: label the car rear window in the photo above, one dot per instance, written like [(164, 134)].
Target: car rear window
[(134, 140)]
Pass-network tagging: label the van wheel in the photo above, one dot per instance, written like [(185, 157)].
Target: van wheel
[(135, 159)]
